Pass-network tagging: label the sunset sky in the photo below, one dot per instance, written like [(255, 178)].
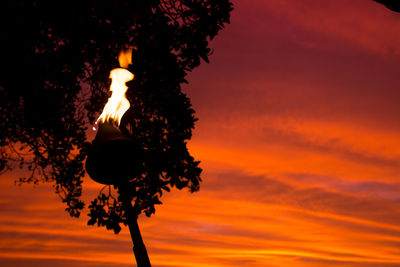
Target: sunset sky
[(299, 141)]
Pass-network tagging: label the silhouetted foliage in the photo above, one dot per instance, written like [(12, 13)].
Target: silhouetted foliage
[(393, 5), (57, 56)]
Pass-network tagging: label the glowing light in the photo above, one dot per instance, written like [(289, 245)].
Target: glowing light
[(125, 58), (117, 104)]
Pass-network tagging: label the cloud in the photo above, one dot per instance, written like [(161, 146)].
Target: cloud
[(235, 218), (17, 262), (364, 23)]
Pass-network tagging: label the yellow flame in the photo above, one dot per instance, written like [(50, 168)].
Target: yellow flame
[(117, 104)]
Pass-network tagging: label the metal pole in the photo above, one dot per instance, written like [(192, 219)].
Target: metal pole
[(139, 249)]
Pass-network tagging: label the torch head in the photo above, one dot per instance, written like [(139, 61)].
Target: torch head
[(114, 157)]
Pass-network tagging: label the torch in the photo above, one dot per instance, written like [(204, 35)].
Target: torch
[(115, 157)]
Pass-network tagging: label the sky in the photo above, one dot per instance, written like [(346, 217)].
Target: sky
[(299, 141)]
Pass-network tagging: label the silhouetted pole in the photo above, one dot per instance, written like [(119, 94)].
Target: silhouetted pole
[(112, 159), (139, 249)]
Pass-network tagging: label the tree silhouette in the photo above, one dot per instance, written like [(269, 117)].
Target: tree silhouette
[(56, 58), (393, 5)]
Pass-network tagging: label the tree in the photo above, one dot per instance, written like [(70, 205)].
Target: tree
[(393, 5), (57, 56)]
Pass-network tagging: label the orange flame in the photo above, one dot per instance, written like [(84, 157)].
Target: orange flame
[(125, 58), (117, 104)]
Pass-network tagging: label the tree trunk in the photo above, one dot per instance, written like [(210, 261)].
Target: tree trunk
[(139, 249)]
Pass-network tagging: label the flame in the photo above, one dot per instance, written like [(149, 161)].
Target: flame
[(117, 104), (125, 58)]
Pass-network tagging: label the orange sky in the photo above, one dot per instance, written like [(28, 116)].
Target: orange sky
[(299, 141)]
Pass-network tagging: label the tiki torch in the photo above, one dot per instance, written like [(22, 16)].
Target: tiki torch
[(114, 157)]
